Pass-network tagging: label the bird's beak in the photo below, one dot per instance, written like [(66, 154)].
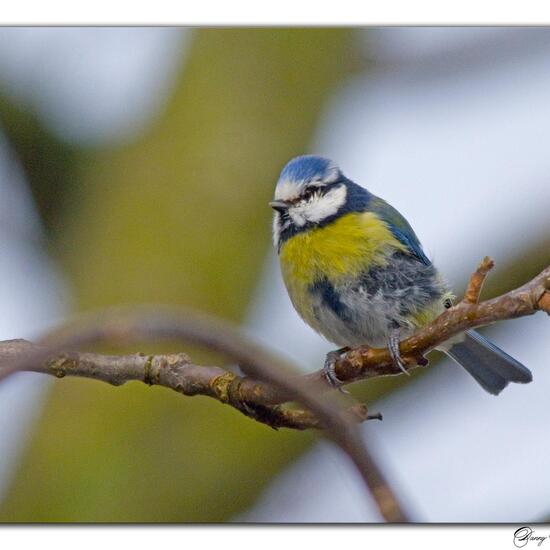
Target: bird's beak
[(280, 206)]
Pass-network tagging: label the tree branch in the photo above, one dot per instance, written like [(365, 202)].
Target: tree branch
[(173, 371), (270, 382), (152, 324)]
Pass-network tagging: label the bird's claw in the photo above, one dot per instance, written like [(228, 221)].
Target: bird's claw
[(393, 347), (329, 371)]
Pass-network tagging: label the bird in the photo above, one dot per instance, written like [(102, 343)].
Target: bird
[(355, 272)]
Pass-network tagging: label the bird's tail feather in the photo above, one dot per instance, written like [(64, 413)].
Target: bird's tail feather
[(490, 366)]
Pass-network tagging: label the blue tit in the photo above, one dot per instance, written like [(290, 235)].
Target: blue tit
[(357, 274)]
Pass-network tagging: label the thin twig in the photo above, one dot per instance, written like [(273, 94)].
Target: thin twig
[(473, 291)]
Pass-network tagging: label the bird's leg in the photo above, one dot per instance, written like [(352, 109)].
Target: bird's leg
[(328, 369), (393, 347)]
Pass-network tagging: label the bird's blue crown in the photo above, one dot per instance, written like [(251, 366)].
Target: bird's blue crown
[(307, 168)]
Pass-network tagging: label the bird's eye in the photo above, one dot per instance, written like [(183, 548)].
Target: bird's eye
[(308, 193)]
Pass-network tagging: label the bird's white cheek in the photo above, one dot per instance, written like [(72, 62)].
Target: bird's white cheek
[(298, 216)]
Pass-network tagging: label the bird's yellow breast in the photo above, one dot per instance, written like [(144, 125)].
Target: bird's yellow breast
[(344, 248)]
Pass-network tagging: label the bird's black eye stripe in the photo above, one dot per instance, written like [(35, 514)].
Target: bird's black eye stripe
[(319, 189)]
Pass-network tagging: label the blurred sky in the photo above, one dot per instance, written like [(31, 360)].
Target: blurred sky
[(452, 129), (91, 85)]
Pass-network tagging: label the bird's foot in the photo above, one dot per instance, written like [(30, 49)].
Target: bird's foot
[(328, 369), (393, 347)]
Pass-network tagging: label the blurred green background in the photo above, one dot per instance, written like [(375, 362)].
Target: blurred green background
[(179, 216)]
